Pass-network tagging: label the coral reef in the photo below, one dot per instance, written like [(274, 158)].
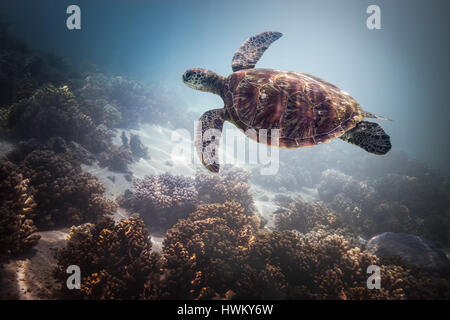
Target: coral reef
[(49, 112), (322, 265), (115, 260), (426, 201), (99, 140), (412, 250), (231, 183), (116, 159), (58, 145), (17, 230), (22, 149), (202, 254), (101, 112), (161, 199), (305, 216), (137, 147), (219, 252), (392, 203), (54, 112), (215, 247), (22, 71), (63, 193)]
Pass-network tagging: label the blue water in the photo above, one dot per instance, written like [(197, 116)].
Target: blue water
[(401, 71)]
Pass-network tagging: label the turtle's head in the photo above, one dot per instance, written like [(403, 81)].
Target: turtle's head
[(203, 80)]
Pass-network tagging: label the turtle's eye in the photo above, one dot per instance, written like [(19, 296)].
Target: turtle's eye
[(188, 75)]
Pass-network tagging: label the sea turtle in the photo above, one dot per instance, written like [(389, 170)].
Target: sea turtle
[(305, 109)]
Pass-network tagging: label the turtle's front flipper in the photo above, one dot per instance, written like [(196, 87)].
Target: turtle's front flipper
[(369, 136), (252, 50), (208, 131)]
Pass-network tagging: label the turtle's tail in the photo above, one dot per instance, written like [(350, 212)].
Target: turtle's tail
[(374, 116)]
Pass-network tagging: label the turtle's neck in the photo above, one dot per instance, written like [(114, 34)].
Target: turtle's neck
[(215, 83)]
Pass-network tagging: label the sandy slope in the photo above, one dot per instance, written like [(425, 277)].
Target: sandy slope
[(29, 276)]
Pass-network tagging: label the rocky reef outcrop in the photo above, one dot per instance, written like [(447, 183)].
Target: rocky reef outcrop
[(414, 250)]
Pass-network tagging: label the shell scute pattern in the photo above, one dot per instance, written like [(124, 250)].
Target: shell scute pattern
[(306, 109)]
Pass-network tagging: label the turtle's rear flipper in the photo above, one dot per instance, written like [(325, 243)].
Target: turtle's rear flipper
[(208, 131), (374, 116), (369, 136)]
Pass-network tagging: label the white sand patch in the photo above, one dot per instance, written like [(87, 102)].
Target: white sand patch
[(113, 188), (169, 150)]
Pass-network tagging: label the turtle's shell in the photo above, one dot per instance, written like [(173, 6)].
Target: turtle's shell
[(306, 110)]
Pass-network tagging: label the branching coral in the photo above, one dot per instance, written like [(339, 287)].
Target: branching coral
[(17, 230), (202, 254), (115, 260), (230, 184), (162, 199), (63, 193), (305, 216), (164, 190)]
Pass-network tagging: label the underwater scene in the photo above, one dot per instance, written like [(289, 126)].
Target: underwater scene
[(224, 150)]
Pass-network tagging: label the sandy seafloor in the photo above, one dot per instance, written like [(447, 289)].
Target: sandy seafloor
[(29, 276)]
